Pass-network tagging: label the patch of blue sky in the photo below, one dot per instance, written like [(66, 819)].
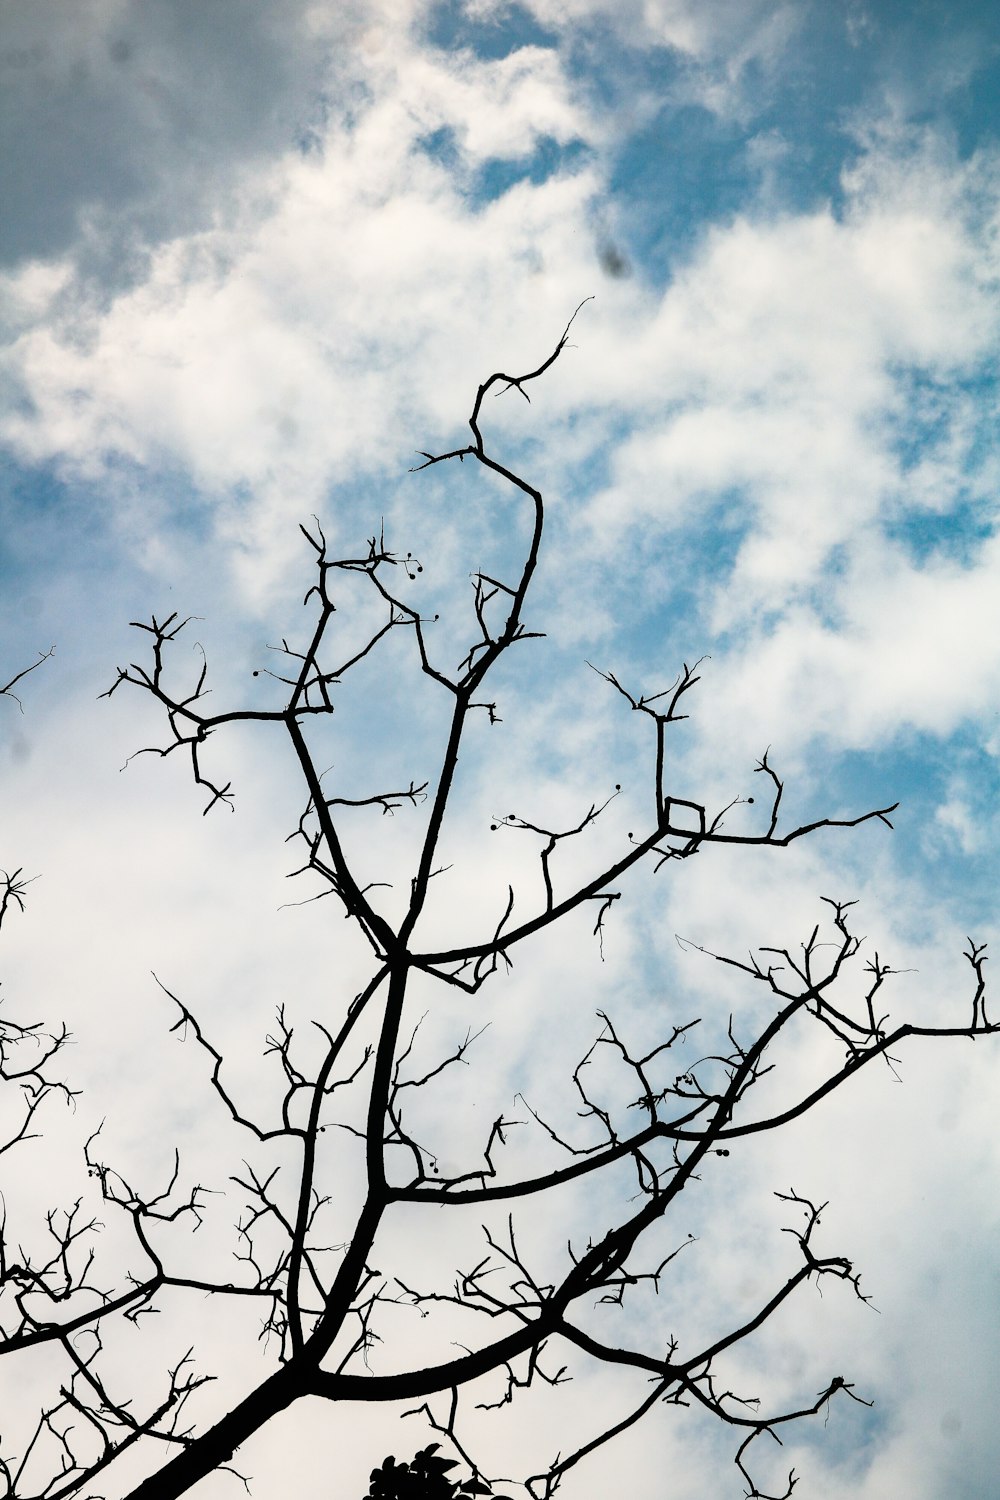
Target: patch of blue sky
[(934, 780), (675, 177), (549, 158), (973, 108), (48, 525), (951, 424), (931, 400), (497, 175), (49, 504), (823, 597), (451, 26), (77, 549), (690, 168), (35, 487), (680, 165), (932, 406), (957, 533), (681, 572), (943, 56), (687, 166)]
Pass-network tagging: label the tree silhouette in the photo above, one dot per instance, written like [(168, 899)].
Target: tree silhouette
[(309, 1264)]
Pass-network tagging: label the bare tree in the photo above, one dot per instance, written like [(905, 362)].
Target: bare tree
[(314, 1283)]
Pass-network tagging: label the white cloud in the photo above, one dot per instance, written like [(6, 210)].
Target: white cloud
[(912, 648), (314, 335), (782, 372)]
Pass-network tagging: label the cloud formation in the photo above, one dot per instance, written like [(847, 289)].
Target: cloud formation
[(252, 268)]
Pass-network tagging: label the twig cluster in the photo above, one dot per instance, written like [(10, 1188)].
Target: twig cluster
[(319, 1296)]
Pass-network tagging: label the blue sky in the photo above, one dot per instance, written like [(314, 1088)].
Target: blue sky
[(254, 256)]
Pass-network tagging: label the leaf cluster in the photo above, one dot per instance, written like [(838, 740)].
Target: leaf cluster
[(425, 1477)]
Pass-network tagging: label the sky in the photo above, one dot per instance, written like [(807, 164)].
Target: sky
[(254, 258)]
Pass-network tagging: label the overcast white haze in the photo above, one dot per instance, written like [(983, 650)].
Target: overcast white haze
[(254, 254)]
